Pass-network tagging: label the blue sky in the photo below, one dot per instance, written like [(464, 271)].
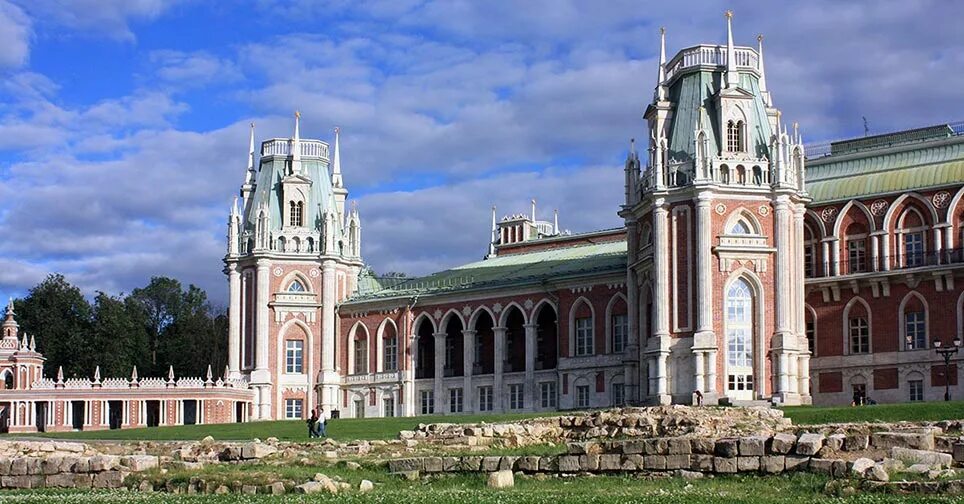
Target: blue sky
[(123, 123)]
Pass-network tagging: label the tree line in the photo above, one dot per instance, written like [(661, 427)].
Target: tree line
[(154, 327)]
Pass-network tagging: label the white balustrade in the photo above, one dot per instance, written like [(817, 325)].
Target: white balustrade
[(282, 147)]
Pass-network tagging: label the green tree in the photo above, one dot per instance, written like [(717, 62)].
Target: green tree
[(160, 304), (59, 317), (119, 335)]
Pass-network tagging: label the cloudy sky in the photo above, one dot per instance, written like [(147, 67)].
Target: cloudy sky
[(123, 123)]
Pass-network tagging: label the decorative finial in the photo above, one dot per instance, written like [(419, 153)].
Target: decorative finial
[(728, 14), (227, 371), (97, 374), (662, 30), (10, 306), (134, 374), (170, 373), (759, 38), (60, 374), (210, 374), (297, 114)]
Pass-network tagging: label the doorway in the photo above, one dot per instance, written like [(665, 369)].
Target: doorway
[(239, 411), (153, 413), (115, 414), (190, 411), (41, 416), (78, 413)]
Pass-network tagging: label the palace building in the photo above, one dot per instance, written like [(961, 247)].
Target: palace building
[(749, 268)]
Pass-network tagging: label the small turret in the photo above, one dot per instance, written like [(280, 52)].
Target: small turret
[(732, 76)]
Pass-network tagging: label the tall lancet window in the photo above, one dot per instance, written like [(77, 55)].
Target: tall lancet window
[(297, 212), (735, 136), (739, 340)]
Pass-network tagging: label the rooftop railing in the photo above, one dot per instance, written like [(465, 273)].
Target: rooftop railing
[(883, 141), (860, 265), (709, 55), (282, 147)]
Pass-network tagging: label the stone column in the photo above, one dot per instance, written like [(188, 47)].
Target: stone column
[(530, 385), (783, 300), (938, 245), (631, 363), (468, 359), (705, 338), (498, 335), (886, 252), (825, 246), (329, 376), (234, 321), (439, 372), (803, 371), (874, 253), (261, 377), (699, 383), (711, 374), (661, 306)]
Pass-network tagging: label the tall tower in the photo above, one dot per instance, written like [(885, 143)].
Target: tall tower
[(292, 254), (715, 225)]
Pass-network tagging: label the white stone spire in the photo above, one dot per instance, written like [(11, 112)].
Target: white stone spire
[(296, 146), (661, 78), (555, 221), (533, 209), (336, 179), (493, 236), (732, 76), (249, 179), (763, 75)]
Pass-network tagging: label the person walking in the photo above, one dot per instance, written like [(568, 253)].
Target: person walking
[(312, 423), (322, 429)]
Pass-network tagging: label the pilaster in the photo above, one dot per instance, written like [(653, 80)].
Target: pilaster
[(498, 334)]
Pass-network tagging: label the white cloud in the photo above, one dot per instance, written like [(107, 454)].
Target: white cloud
[(193, 69), (15, 32), (111, 18)]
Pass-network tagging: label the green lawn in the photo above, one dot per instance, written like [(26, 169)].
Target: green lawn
[(808, 415), (462, 489), (388, 428), (288, 430)]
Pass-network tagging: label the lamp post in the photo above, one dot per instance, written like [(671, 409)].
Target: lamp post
[(946, 353)]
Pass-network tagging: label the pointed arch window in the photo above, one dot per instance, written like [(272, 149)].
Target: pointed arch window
[(735, 136), (296, 286), (390, 359), (859, 335), (296, 213)]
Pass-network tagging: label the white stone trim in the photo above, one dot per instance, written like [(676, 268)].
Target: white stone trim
[(846, 325)]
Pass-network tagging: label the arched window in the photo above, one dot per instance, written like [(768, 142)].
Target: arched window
[(390, 359), (739, 339), (296, 213), (294, 353), (296, 286), (8, 381), (809, 252), (911, 233), (913, 312), (361, 353), (734, 136), (740, 227), (859, 335), (856, 239)]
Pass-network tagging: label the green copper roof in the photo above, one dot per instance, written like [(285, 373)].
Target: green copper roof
[(691, 91), (513, 269), (268, 190), (918, 166)]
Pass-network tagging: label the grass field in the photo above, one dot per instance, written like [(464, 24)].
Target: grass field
[(388, 428), (462, 489), (289, 430), (806, 415)]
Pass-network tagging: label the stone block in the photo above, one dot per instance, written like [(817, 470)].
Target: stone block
[(365, 486), (81, 465), (724, 465), (432, 464), (4, 466), (450, 464), (64, 446), (490, 464), (753, 446), (809, 443), (839, 469), (138, 463), (782, 443), (773, 464), (915, 440), (109, 479), (877, 473), (256, 450), (821, 466), (835, 442), (704, 446), (567, 463), (405, 464), (610, 462), (701, 462), (22, 481), (748, 464), (589, 463), (911, 456), (531, 464), (276, 488), (507, 463), (99, 463), (797, 463), (726, 448), (860, 466), (52, 465), (470, 464), (501, 479), (654, 462), (679, 461), (35, 465), (633, 447), (678, 446), (18, 466), (655, 446), (548, 464), (632, 462), (856, 442), (957, 453), (584, 448)]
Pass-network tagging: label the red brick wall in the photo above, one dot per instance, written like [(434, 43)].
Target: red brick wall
[(885, 378), (831, 382), (937, 375)]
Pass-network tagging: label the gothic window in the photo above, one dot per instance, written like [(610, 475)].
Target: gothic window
[(620, 325), (361, 355), (859, 336), (857, 255), (734, 136), (915, 329), (297, 213), (294, 350), (911, 238), (739, 340), (740, 228), (390, 359), (8, 381), (584, 337), (914, 249), (296, 286)]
